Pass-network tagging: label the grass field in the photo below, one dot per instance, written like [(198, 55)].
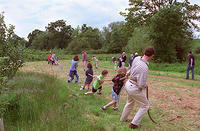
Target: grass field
[(48, 102)]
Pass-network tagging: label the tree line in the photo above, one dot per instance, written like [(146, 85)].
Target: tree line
[(168, 25)]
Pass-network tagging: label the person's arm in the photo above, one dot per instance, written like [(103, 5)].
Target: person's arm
[(142, 79), (123, 78), (191, 62), (90, 75)]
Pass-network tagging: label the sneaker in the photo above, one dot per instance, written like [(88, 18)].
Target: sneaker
[(103, 108), (115, 108), (133, 126), (85, 93), (88, 88), (99, 93), (68, 81), (76, 81), (82, 88)]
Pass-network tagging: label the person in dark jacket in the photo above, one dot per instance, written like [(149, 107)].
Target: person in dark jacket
[(191, 65)]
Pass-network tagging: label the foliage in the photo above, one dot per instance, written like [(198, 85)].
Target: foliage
[(11, 57), (140, 11), (138, 41), (57, 35), (154, 13), (114, 37), (85, 38), (172, 37)]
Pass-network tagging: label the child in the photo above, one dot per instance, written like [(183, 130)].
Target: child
[(115, 62), (118, 84), (89, 78), (73, 70), (49, 57), (96, 61), (97, 85)]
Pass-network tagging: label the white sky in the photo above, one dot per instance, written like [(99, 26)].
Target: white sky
[(28, 15)]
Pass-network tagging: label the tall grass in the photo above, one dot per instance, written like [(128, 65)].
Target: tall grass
[(43, 102)]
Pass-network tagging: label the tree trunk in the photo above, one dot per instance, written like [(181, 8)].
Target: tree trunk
[(1, 124)]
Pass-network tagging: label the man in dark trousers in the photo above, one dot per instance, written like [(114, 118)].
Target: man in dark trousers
[(190, 65), (134, 86)]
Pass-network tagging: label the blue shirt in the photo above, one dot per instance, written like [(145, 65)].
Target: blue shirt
[(74, 65)]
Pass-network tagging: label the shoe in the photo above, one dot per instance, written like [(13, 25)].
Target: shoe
[(103, 108), (186, 78), (82, 88), (85, 93), (88, 88), (133, 126), (76, 81), (115, 108), (68, 81), (99, 93)]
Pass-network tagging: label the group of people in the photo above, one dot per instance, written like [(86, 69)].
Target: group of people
[(120, 62), (52, 59), (134, 81)]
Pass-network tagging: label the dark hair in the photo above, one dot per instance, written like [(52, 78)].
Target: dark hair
[(149, 51), (89, 65), (190, 52), (104, 72), (76, 58)]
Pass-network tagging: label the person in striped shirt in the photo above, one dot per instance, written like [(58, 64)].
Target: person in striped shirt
[(134, 86)]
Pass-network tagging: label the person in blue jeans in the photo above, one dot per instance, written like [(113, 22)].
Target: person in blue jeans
[(73, 70), (191, 65)]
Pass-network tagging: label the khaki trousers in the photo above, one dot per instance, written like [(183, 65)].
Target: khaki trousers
[(134, 95)]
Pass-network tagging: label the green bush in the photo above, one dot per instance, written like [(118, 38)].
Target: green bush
[(197, 51), (138, 41)]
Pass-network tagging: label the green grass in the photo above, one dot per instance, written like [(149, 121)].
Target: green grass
[(45, 103)]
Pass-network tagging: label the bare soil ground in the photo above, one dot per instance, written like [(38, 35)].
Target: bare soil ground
[(173, 96)]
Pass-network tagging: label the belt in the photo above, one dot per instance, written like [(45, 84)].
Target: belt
[(133, 81)]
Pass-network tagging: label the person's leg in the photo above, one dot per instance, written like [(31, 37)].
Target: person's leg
[(127, 108), (192, 69), (77, 77), (123, 64), (141, 99), (71, 76), (91, 92), (110, 104), (187, 74), (83, 87), (85, 65), (87, 93), (96, 64), (88, 86), (99, 90)]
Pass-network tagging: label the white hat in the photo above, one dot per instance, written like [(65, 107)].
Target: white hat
[(136, 53)]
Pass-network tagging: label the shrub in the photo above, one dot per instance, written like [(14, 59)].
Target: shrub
[(197, 51), (138, 41)]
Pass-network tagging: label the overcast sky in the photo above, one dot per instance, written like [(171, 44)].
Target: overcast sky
[(28, 15)]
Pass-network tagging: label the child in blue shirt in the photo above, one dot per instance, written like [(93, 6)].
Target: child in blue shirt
[(89, 77), (73, 70)]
